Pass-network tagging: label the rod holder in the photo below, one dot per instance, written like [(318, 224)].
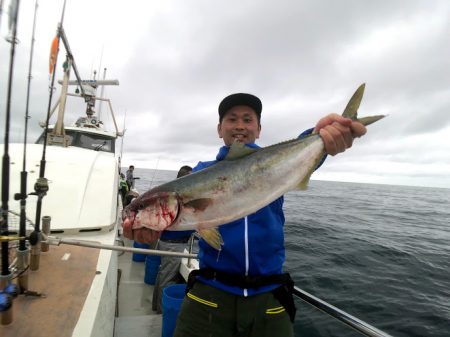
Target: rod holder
[(46, 220), (36, 254), (23, 260)]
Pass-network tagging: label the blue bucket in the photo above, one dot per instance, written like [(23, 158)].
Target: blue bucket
[(139, 257), (152, 263), (171, 303)]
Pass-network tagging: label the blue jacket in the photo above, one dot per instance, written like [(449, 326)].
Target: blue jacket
[(253, 245)]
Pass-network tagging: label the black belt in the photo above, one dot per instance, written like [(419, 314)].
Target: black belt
[(180, 240), (283, 293)]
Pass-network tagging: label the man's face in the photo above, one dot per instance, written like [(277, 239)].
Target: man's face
[(240, 123)]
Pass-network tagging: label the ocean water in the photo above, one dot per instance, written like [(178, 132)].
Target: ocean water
[(379, 252)]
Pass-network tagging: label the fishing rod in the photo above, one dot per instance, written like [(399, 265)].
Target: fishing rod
[(22, 253), (5, 277), (41, 185), (6, 160)]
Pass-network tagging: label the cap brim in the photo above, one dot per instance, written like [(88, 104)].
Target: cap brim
[(240, 99)]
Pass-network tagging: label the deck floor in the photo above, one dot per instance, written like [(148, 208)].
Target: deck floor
[(64, 278), (135, 315)]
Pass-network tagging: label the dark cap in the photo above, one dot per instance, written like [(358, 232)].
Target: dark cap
[(240, 99)]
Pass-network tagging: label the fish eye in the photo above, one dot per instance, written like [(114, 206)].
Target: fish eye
[(141, 206)]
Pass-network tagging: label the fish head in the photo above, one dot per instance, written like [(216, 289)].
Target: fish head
[(156, 210)]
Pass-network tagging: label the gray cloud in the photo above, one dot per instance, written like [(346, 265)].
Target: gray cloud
[(176, 60)]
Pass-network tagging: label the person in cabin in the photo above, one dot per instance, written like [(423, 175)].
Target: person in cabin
[(172, 241), (241, 289), (130, 178), (123, 188)]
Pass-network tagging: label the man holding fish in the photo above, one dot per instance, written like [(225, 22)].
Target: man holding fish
[(235, 204)]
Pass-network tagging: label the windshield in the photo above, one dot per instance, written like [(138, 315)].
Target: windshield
[(86, 141)]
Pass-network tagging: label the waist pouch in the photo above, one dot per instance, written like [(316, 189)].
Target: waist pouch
[(283, 293)]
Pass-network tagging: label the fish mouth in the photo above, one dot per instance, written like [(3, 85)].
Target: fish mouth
[(128, 219), (128, 214)]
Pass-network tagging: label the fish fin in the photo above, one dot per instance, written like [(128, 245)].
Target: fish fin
[(212, 237), (198, 204), (303, 185), (239, 150)]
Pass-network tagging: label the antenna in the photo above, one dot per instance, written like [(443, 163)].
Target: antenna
[(102, 91)]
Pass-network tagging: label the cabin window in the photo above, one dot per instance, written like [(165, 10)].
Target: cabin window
[(89, 141)]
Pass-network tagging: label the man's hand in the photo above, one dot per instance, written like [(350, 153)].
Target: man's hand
[(141, 235), (338, 132)]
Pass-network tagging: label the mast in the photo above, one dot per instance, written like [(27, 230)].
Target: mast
[(102, 91)]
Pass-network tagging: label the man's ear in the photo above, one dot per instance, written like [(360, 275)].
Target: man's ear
[(259, 132), (219, 130)]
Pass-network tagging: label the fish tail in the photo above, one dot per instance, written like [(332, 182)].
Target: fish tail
[(370, 119), (351, 110)]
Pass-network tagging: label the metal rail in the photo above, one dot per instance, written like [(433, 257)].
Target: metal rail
[(54, 241), (355, 323), (360, 326)]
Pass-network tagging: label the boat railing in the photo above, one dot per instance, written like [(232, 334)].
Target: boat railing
[(360, 326)]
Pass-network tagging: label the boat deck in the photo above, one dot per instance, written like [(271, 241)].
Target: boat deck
[(64, 278), (134, 308)]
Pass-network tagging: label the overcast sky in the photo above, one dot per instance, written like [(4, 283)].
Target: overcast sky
[(176, 60)]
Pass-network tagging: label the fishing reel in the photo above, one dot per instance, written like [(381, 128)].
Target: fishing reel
[(40, 187)]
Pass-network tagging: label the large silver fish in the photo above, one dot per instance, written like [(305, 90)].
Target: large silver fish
[(244, 182)]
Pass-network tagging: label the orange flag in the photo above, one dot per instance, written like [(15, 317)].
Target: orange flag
[(53, 53)]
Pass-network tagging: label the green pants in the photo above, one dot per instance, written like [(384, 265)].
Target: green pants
[(209, 312)]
